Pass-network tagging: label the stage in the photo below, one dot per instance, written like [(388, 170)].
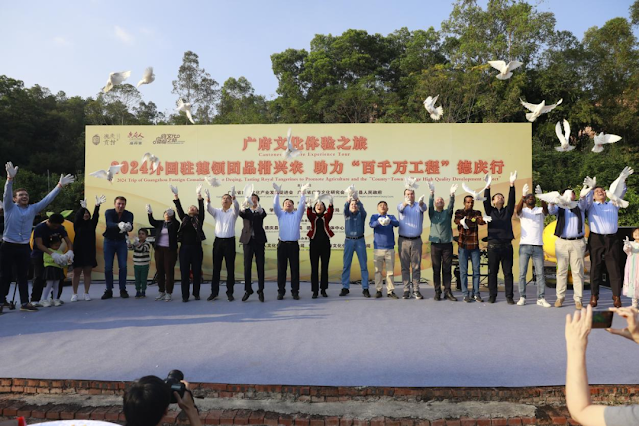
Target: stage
[(334, 341)]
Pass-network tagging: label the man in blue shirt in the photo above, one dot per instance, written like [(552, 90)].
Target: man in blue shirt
[(18, 221), (384, 245), (355, 218), (119, 222), (411, 219)]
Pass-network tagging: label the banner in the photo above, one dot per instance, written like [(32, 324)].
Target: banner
[(374, 157)]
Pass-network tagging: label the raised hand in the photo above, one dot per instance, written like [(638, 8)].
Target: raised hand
[(453, 188), (590, 182), (513, 177), (198, 190), (149, 210), (487, 219), (525, 190), (65, 180), (83, 203), (100, 200), (11, 171), (431, 186), (174, 189), (304, 188)]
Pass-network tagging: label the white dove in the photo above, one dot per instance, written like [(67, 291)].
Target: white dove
[(213, 181), (155, 161), (116, 78), (505, 70), (555, 197), (290, 152), (248, 191), (148, 77), (564, 138), (410, 183), (107, 174), (537, 110), (478, 195), (350, 191), (602, 139), (616, 190), (429, 104), (186, 107)]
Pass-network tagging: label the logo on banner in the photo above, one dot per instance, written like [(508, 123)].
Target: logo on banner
[(96, 140), (168, 139), (135, 138), (111, 138)]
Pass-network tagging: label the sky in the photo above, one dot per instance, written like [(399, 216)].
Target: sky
[(72, 46)]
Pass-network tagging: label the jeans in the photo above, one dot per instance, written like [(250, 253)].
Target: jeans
[(112, 248), (474, 256), (359, 247), (527, 251)]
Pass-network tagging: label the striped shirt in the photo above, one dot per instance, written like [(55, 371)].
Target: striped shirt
[(411, 219), (289, 223), (142, 253)]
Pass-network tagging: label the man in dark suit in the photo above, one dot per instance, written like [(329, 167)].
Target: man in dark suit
[(253, 239)]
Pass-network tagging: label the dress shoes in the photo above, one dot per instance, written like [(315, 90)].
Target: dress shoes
[(438, 296), (246, 296), (260, 295), (366, 293), (448, 295), (616, 301), (323, 293), (280, 296), (296, 296), (344, 292), (593, 300)]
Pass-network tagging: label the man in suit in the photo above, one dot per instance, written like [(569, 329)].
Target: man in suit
[(253, 240)]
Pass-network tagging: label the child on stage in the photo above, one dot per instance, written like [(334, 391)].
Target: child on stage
[(53, 273), (631, 273)]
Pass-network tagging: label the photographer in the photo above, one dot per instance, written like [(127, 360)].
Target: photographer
[(577, 390), (147, 401)]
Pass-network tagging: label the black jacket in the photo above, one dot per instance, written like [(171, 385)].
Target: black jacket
[(172, 227), (501, 227), (197, 222), (253, 221)]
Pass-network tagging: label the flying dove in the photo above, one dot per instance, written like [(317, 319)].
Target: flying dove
[(562, 200), (108, 175), (564, 138), (213, 181), (155, 161), (290, 152), (429, 104), (116, 78), (186, 107), (602, 139), (478, 195), (411, 183), (616, 190), (537, 110), (505, 70), (148, 77)]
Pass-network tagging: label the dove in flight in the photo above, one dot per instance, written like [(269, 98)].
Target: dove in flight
[(564, 138), (290, 152), (562, 200), (155, 161), (537, 110), (505, 70), (617, 189), (107, 174), (186, 107), (410, 183), (429, 104), (478, 195), (213, 181), (116, 78), (148, 77), (601, 139)]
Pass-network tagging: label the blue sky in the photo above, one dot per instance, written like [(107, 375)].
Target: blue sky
[(73, 45)]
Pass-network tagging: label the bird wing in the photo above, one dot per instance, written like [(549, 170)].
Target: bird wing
[(325, 198), (528, 106), (180, 105), (189, 116), (146, 157), (213, 181), (288, 139), (488, 179), (567, 130), (549, 197), (514, 65), (102, 174), (615, 188), (248, 190), (114, 170), (119, 77), (428, 103), (148, 75), (549, 108), (559, 134), (498, 65), (610, 139), (467, 189)]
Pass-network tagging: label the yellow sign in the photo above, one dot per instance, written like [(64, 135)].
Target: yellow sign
[(374, 157)]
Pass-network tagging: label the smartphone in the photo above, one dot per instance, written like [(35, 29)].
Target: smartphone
[(602, 319)]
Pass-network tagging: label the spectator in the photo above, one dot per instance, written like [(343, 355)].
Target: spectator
[(84, 260)]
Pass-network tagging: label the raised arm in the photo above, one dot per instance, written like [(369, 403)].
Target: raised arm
[(300, 208), (431, 205), (236, 206), (488, 208), (511, 201), (200, 204), (329, 213), (451, 205), (8, 195), (347, 210), (276, 205), (520, 206), (40, 205), (178, 207)]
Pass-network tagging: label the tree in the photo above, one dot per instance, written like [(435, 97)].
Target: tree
[(195, 86), (239, 104)]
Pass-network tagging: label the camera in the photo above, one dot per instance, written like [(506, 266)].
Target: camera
[(174, 381)]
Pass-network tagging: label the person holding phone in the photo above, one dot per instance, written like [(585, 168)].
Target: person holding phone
[(577, 390)]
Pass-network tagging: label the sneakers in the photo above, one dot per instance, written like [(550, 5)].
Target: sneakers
[(168, 297), (28, 307), (160, 296), (108, 294), (478, 298), (559, 303), (44, 303), (418, 295), (57, 302), (542, 302), (74, 298), (467, 299), (378, 295), (124, 294), (522, 301), (578, 305), (406, 295), (344, 292), (392, 295), (366, 293), (87, 297)]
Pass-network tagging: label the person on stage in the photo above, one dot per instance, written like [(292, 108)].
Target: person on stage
[(441, 241), (411, 219), (288, 249), (531, 245), (384, 248), (570, 247), (18, 220), (468, 221), (84, 243), (166, 250), (190, 236), (253, 239), (500, 236), (355, 219), (631, 270), (224, 243), (603, 243), (119, 222), (320, 241)]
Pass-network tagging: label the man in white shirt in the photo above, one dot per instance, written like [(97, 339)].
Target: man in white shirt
[(224, 244), (531, 245)]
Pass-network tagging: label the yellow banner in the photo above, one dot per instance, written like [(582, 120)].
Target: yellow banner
[(374, 157)]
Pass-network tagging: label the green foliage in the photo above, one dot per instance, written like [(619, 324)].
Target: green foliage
[(195, 86)]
